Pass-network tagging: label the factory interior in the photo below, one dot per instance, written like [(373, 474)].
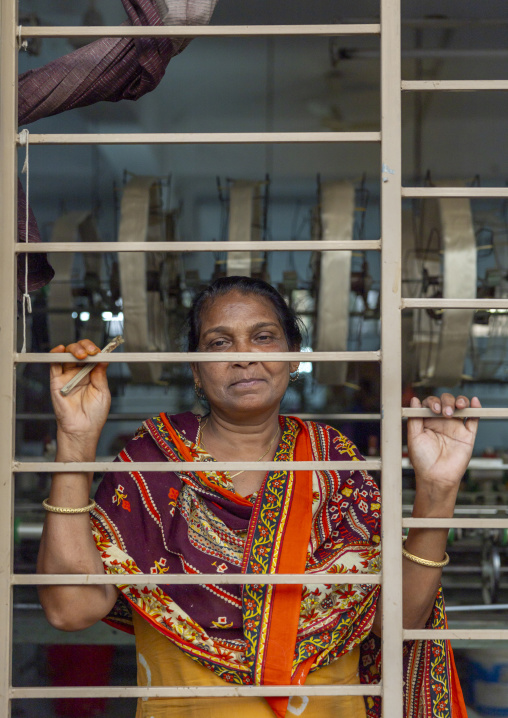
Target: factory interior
[(277, 192)]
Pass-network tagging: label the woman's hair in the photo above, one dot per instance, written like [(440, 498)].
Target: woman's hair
[(247, 285)]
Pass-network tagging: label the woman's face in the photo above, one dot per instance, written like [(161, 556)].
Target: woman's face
[(238, 322)]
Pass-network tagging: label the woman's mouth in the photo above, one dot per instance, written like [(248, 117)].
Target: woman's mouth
[(246, 383)]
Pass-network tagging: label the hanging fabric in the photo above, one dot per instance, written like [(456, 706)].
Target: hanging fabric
[(337, 219), (145, 321), (444, 251), (245, 206)]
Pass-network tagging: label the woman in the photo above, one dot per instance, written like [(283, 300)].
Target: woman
[(246, 521)]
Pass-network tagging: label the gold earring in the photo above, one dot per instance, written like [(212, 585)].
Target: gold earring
[(199, 391)]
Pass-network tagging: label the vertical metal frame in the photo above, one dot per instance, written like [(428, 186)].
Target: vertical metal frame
[(8, 225), (391, 347)]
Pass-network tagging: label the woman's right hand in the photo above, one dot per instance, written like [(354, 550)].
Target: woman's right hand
[(81, 414)]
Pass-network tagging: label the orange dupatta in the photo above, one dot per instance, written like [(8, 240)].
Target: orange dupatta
[(287, 599), (293, 534)]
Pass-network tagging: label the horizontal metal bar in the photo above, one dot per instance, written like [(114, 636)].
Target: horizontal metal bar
[(477, 509), (162, 579), (200, 138), (463, 522), (147, 466), (179, 247), (201, 30), (357, 26), (138, 416), (463, 571), (196, 357), (456, 22), (28, 531), (476, 462), (453, 85), (49, 416), (463, 634), (443, 303), (484, 412), (478, 607), (455, 192), (371, 464), (194, 691), (433, 53), (487, 413), (339, 417)]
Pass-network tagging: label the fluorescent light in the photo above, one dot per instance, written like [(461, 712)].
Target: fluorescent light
[(305, 366), (110, 317)]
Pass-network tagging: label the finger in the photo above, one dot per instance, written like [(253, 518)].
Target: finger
[(471, 424), (56, 369), (99, 380), (448, 404), (462, 402), (82, 349), (433, 403), (415, 424), (98, 375)]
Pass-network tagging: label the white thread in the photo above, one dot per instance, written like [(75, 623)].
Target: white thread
[(22, 44), (145, 665), (24, 139)]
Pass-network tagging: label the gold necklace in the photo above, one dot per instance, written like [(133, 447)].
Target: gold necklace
[(232, 476)]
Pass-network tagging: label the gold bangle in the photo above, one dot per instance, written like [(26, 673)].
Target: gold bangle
[(424, 561), (62, 510)]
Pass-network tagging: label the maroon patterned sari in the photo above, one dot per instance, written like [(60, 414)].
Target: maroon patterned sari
[(182, 522)]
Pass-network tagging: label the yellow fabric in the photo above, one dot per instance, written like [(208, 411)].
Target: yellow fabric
[(160, 663)]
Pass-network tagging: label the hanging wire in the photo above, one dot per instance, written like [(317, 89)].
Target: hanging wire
[(22, 44), (24, 138)]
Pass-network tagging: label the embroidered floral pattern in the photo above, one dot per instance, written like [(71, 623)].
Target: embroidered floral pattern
[(190, 527), (120, 498)]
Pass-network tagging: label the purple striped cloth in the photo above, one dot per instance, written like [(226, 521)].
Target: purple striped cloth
[(109, 69)]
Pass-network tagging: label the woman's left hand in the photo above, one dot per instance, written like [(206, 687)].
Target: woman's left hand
[(440, 448)]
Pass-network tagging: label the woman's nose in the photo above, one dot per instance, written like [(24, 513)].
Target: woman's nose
[(244, 364), (243, 345)]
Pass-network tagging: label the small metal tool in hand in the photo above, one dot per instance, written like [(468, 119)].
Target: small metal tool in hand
[(111, 346)]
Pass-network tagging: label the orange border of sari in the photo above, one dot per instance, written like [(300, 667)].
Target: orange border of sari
[(285, 602), (286, 605)]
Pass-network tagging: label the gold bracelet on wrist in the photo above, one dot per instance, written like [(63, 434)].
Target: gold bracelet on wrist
[(424, 561), (63, 510)]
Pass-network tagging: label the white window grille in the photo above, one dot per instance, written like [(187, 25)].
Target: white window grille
[(392, 193)]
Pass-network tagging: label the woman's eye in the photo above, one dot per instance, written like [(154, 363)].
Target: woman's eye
[(218, 344)]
